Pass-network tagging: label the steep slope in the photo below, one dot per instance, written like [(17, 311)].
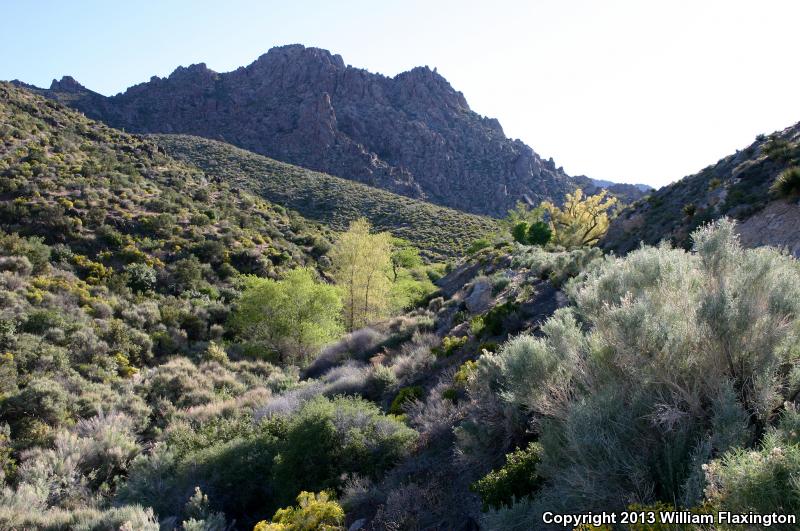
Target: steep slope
[(440, 232), (80, 183), (736, 186), (114, 256), (412, 134), (118, 270)]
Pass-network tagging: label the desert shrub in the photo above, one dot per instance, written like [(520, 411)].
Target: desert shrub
[(328, 438), (787, 183), (233, 467), (187, 273), (18, 513), (478, 245), (33, 248), (569, 265), (351, 378), (494, 321), (405, 395), (517, 479), (464, 372), (109, 445), (358, 345), (95, 455), (777, 148), (415, 358), (201, 517), (435, 415), (450, 344), (42, 399), (499, 281), (141, 277), (383, 379), (686, 354), (20, 265), (763, 480), (313, 512)]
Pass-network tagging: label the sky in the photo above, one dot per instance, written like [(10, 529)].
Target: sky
[(629, 91)]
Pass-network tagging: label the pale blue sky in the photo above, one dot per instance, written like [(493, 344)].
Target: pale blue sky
[(633, 91)]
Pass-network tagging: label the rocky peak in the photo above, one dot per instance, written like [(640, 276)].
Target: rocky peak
[(67, 84), (199, 69), (412, 134), (426, 87), (297, 53)]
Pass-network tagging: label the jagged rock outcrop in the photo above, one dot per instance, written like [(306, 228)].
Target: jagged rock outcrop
[(412, 134)]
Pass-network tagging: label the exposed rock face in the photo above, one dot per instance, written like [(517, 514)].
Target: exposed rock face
[(480, 298), (412, 134), (776, 225)]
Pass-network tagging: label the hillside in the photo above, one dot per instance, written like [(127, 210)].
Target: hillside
[(575, 382), (439, 232), (133, 395), (412, 134), (118, 270), (737, 186), (76, 182)]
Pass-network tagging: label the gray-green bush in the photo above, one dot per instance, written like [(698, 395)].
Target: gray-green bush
[(667, 359)]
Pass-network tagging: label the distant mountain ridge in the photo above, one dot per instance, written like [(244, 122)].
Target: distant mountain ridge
[(438, 232), (412, 134)]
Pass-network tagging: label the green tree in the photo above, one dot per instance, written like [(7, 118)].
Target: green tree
[(539, 233), (581, 221), (292, 316), (522, 213), (361, 263), (404, 256), (526, 224), (520, 232)]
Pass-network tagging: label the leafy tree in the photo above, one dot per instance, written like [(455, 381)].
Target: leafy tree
[(526, 224), (581, 221), (404, 256), (520, 232), (522, 213), (313, 512), (361, 262), (292, 316), (539, 233)]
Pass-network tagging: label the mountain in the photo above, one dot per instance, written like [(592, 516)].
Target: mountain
[(626, 193), (412, 134), (737, 186), (438, 231), (533, 380)]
